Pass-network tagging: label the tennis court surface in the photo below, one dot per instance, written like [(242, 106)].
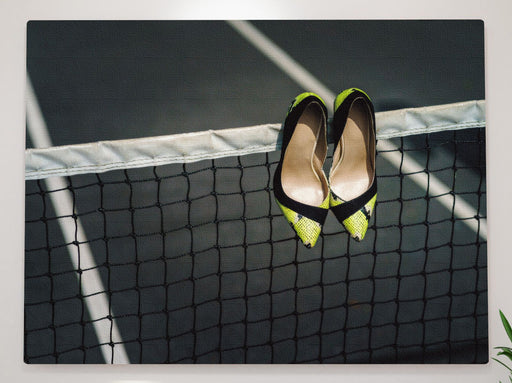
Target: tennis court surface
[(162, 249)]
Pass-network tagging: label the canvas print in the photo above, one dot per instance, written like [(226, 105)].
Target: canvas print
[(267, 191)]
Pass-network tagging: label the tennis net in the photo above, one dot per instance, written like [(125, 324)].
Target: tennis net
[(173, 250)]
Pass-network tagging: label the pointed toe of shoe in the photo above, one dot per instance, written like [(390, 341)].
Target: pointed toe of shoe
[(308, 230), (357, 223), (356, 226)]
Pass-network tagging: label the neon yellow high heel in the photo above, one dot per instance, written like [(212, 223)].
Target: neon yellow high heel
[(300, 185), (352, 181)]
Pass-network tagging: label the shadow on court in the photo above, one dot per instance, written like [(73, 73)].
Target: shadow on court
[(197, 261)]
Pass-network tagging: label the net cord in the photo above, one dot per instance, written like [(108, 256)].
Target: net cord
[(105, 156)]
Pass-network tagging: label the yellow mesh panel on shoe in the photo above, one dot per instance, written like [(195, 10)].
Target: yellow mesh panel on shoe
[(325, 204), (307, 229), (343, 95), (301, 97), (334, 200), (357, 223)]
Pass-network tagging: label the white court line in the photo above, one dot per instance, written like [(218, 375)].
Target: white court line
[(409, 165), (283, 60), (97, 305)]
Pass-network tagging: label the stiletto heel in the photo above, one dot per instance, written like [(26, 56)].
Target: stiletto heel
[(352, 181), (300, 185)]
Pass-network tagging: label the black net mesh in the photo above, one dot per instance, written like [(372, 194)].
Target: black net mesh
[(200, 266)]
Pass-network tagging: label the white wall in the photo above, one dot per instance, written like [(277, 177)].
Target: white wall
[(13, 17)]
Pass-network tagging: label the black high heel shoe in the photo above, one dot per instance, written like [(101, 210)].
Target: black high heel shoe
[(300, 185), (352, 181)]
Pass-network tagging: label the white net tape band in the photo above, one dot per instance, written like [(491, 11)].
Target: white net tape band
[(104, 156)]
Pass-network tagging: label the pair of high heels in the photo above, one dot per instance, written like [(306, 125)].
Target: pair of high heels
[(301, 187)]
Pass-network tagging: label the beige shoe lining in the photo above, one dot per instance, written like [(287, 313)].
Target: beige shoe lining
[(302, 175), (353, 167)]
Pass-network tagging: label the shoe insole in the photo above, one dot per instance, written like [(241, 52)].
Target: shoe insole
[(302, 175), (353, 171)]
